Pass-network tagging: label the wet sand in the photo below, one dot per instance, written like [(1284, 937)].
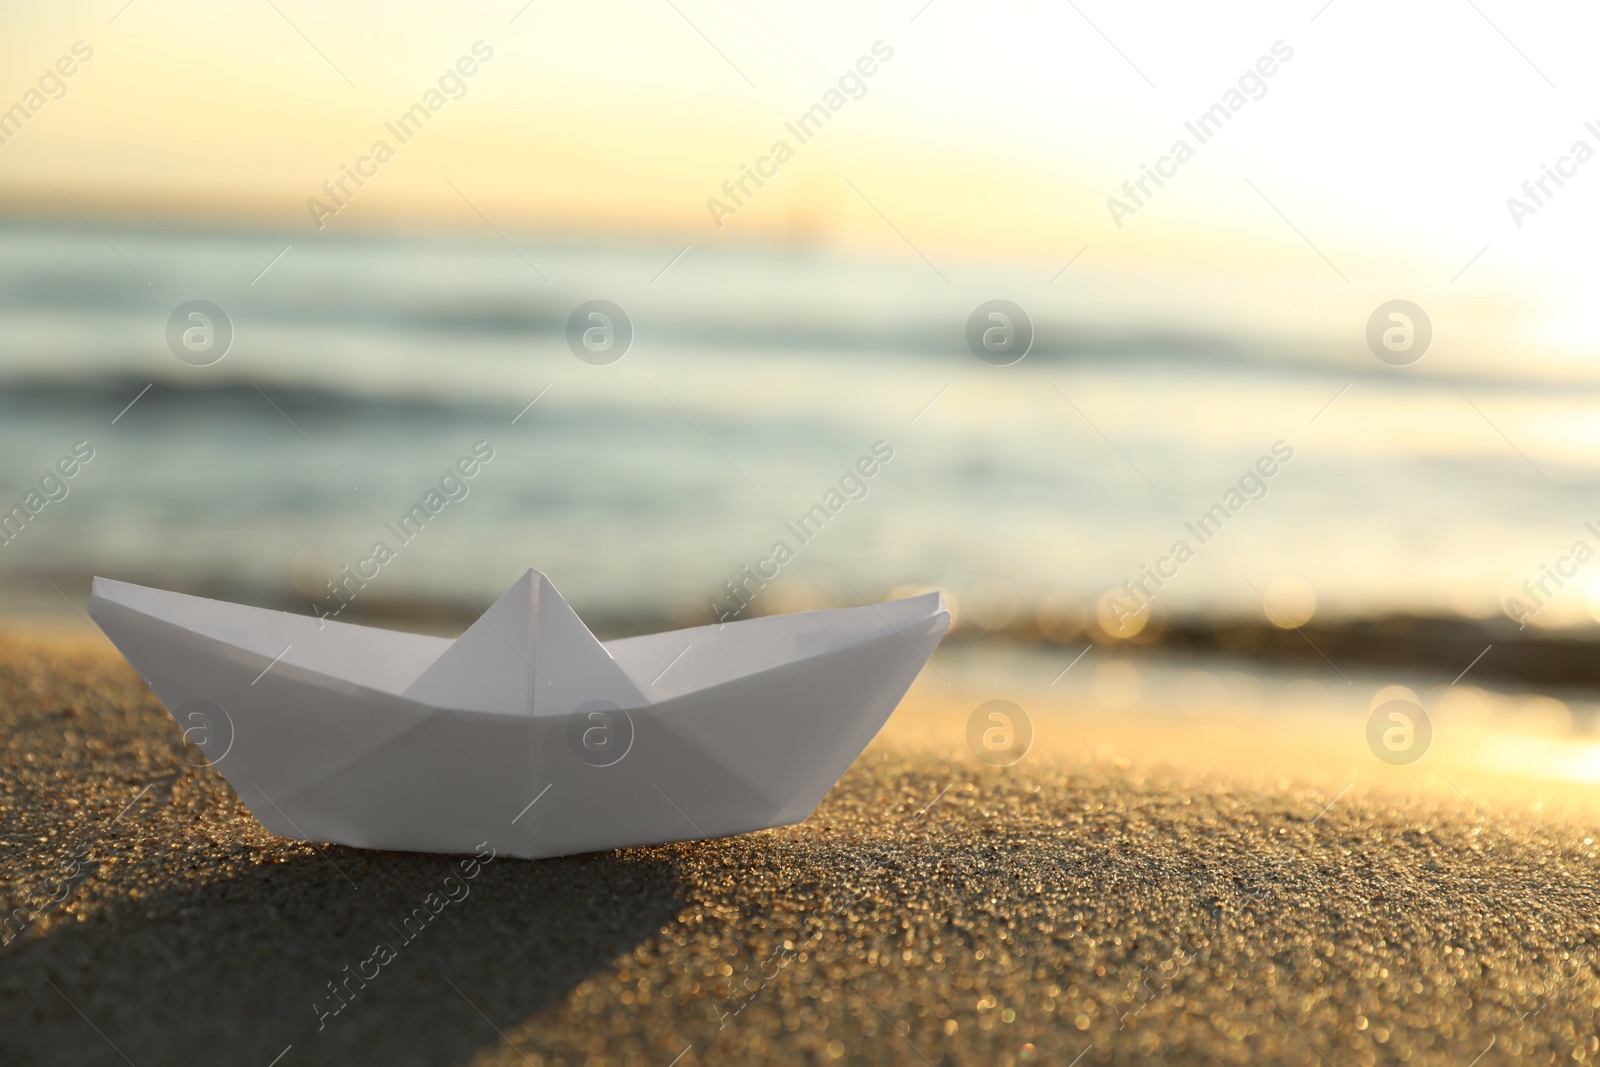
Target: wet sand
[(1103, 901)]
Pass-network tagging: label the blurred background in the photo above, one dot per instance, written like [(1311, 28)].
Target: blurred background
[(399, 207)]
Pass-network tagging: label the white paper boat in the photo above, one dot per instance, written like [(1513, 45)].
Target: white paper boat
[(525, 731)]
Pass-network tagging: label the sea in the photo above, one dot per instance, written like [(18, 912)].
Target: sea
[(796, 426)]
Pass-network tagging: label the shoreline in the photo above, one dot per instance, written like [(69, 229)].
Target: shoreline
[(1494, 650)]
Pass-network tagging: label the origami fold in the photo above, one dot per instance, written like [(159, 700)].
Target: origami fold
[(526, 730)]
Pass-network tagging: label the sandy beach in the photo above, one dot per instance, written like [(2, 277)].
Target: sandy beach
[(1142, 519), (1103, 901)]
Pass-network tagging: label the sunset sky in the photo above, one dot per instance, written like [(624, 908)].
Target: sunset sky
[(1376, 163)]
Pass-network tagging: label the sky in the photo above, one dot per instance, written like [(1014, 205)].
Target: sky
[(1375, 162)]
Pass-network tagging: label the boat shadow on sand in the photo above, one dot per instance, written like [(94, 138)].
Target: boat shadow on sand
[(348, 956)]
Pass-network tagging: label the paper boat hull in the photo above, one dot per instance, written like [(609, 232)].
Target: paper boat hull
[(326, 758)]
